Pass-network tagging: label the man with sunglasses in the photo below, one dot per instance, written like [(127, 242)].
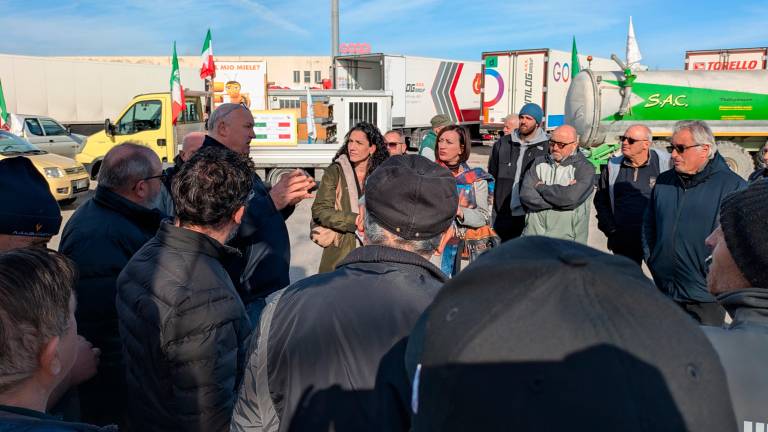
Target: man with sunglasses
[(395, 143), (624, 189), (100, 237), (555, 190), (682, 212)]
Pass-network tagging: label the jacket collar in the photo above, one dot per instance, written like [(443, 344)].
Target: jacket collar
[(192, 241), (748, 305), (715, 165), (539, 136), (147, 219), (209, 141), (378, 253)]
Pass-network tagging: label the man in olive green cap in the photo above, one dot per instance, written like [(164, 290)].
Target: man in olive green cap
[(427, 147)]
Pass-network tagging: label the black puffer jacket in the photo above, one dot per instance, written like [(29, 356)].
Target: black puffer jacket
[(682, 212), (329, 352), (100, 238), (185, 332)]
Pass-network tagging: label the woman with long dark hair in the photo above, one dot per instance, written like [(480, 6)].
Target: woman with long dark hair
[(471, 233), (335, 209)]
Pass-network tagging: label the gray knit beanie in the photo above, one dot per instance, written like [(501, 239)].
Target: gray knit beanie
[(743, 215)]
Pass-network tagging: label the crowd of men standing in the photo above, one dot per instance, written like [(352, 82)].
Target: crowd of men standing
[(191, 323)]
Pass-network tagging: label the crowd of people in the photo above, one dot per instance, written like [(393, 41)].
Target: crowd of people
[(448, 297)]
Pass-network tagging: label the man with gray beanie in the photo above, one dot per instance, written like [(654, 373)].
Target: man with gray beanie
[(510, 158), (329, 349), (738, 276), (566, 339)]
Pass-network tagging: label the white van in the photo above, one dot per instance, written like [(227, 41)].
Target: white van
[(46, 134)]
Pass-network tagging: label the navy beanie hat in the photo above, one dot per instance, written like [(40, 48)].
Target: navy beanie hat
[(28, 207), (533, 110)]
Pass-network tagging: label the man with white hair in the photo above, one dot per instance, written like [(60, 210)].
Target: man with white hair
[(682, 212)]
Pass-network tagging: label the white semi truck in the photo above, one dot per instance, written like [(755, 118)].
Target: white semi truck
[(420, 87), (726, 59), (513, 78), (81, 94)]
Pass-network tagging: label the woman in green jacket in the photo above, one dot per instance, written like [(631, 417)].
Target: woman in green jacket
[(362, 152)]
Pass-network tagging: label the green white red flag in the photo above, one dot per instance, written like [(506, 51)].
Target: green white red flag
[(177, 91), (207, 68), (575, 67), (3, 110)]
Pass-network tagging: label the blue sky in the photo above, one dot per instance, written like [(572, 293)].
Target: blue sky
[(449, 29)]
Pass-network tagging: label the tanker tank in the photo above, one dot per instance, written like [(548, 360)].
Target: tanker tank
[(733, 103)]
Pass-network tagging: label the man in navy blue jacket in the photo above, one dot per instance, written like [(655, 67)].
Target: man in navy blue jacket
[(682, 212)]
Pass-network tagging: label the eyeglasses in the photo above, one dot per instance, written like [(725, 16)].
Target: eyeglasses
[(630, 140), (559, 144), (160, 176), (393, 144), (680, 149)]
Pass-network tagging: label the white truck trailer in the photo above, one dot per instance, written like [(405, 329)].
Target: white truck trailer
[(513, 78), (726, 59), (81, 94), (421, 88)]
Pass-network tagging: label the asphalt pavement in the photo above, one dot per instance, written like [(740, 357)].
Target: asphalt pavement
[(305, 255)]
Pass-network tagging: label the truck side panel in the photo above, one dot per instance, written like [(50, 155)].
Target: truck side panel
[(497, 87), (394, 74), (728, 59)]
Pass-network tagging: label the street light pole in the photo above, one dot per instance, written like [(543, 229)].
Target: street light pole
[(334, 38)]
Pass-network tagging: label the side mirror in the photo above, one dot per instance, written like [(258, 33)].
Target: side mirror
[(109, 129)]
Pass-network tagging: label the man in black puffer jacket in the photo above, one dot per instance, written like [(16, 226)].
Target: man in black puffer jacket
[(100, 238), (682, 212), (183, 325)]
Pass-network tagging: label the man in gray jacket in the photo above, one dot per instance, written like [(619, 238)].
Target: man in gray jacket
[(556, 188), (738, 277)]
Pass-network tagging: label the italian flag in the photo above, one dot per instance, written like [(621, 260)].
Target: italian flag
[(3, 110), (575, 68), (177, 91), (207, 69)]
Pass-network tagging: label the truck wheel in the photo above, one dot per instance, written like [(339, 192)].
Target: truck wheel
[(737, 158), (276, 174)]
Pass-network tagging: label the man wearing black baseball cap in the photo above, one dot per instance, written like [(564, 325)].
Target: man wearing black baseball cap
[(321, 342), (566, 338), (29, 215)]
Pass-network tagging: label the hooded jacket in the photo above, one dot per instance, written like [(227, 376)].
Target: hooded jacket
[(557, 208), (743, 350), (100, 238), (682, 212), (510, 159), (330, 349), (185, 333)]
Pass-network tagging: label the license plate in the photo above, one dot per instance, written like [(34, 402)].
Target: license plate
[(81, 184)]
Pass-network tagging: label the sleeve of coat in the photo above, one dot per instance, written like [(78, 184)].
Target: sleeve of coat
[(605, 221), (204, 362), (648, 235), (529, 196), (324, 211), (480, 215), (493, 161), (571, 196)]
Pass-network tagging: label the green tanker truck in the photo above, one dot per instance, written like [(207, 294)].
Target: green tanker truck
[(601, 105)]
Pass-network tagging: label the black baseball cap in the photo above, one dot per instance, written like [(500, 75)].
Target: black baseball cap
[(28, 207), (412, 197), (547, 334)]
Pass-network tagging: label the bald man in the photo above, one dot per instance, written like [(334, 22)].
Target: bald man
[(625, 188), (555, 190), (189, 145)]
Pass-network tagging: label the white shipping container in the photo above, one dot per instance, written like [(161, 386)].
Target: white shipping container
[(726, 59), (513, 78)]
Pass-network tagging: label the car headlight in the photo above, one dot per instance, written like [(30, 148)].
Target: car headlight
[(54, 172)]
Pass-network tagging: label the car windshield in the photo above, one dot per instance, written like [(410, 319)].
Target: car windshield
[(10, 144)]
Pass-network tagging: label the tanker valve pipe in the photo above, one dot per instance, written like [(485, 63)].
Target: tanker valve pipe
[(626, 85)]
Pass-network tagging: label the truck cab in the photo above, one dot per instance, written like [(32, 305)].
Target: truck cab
[(146, 120)]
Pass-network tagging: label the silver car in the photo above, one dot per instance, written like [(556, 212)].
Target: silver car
[(47, 134)]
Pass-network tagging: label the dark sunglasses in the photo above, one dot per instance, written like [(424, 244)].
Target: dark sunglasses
[(559, 144), (680, 149), (630, 140), (393, 144)]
